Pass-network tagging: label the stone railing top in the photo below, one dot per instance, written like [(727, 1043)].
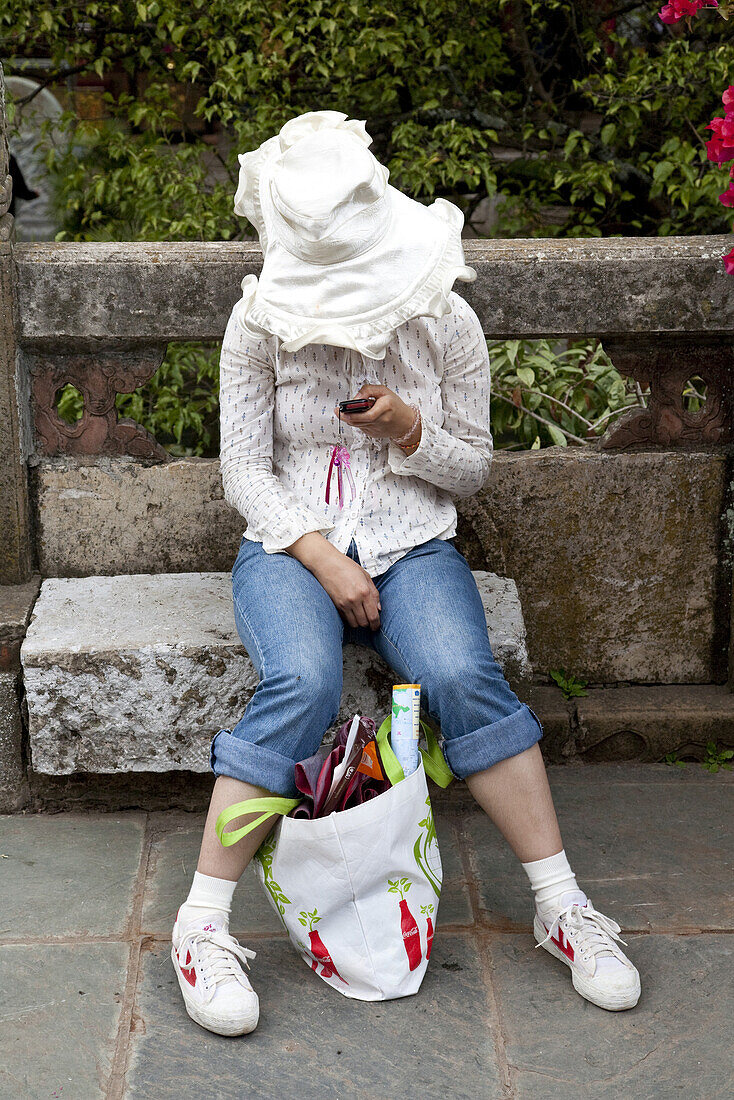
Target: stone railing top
[(618, 287)]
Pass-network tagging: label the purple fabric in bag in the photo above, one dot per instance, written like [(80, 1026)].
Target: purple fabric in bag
[(313, 777)]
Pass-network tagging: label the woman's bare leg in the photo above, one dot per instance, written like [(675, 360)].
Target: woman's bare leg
[(229, 863), (516, 796)]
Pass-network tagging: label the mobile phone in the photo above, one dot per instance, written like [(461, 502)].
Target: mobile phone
[(357, 404)]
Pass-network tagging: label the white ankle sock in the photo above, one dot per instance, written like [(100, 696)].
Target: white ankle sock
[(550, 878), (209, 893)]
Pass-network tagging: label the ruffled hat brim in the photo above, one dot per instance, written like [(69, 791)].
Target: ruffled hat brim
[(357, 302)]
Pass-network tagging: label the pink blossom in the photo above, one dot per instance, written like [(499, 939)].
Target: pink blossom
[(728, 97), (723, 128), (729, 262), (727, 197), (683, 9), (718, 151)]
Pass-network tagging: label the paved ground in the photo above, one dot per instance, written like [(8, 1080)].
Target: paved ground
[(89, 1006)]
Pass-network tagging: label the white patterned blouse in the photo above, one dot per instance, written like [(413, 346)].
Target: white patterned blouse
[(278, 428)]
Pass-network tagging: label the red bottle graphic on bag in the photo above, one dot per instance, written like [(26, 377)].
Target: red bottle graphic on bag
[(318, 952), (408, 924), (427, 910), (314, 964)]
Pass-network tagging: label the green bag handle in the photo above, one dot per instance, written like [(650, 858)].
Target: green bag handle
[(433, 759), (264, 807), (433, 762)]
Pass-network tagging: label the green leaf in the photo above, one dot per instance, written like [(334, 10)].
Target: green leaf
[(511, 348), (557, 436)]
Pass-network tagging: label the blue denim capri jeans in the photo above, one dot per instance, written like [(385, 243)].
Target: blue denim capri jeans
[(433, 632)]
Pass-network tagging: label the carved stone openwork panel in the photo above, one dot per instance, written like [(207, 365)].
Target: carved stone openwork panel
[(666, 366), (99, 377)]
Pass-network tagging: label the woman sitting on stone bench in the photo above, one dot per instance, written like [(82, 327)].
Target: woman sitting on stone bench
[(355, 301)]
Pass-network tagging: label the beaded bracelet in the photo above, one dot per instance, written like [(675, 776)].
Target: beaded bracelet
[(408, 434)]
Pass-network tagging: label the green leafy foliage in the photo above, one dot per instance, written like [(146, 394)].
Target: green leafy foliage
[(543, 394), (546, 104), (673, 760), (180, 403), (571, 125), (569, 684), (717, 757)]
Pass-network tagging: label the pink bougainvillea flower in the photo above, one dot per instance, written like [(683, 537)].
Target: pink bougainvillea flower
[(729, 262), (723, 128), (718, 151), (727, 197), (667, 14), (672, 13), (728, 97), (683, 9)]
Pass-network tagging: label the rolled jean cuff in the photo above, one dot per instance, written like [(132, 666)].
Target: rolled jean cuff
[(240, 759), (473, 752)]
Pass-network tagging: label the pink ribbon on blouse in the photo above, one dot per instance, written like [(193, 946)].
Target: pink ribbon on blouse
[(340, 459)]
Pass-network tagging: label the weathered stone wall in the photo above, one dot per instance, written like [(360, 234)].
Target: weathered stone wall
[(617, 557), (618, 560), (615, 287)]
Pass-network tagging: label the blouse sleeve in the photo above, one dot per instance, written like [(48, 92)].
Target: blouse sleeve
[(275, 516), (457, 455)]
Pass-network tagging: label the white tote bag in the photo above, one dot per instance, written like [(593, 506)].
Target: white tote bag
[(358, 891)]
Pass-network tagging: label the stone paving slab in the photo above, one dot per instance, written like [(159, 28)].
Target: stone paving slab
[(68, 874), (675, 1042), (494, 1018), (314, 1044), (653, 857), (174, 852), (60, 1006)]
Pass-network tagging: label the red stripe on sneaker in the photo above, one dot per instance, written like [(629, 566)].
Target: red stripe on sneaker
[(561, 943), (187, 970)]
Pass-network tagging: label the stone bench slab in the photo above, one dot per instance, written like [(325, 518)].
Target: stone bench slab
[(136, 673)]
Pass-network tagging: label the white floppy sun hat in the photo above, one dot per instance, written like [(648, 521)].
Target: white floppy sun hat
[(347, 258)]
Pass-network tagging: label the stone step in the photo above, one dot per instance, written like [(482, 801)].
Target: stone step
[(136, 673)]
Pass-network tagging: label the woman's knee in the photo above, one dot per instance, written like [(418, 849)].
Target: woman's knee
[(312, 685), (465, 680)]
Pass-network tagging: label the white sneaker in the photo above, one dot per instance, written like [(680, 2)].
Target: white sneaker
[(215, 988), (584, 940)]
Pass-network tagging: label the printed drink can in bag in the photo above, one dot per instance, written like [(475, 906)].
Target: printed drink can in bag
[(405, 725)]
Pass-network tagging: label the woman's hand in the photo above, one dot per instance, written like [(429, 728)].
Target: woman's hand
[(351, 588), (389, 417)]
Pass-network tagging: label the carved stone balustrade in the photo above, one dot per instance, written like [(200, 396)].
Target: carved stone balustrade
[(666, 365), (99, 315), (98, 378)]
